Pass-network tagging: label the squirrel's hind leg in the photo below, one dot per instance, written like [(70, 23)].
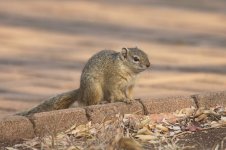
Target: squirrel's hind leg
[(92, 94)]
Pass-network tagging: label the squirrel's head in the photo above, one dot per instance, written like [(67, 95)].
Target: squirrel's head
[(135, 59)]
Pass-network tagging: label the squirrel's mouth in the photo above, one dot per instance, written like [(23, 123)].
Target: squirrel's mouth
[(142, 69)]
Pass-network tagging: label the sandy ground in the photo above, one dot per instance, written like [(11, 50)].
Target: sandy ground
[(45, 44)]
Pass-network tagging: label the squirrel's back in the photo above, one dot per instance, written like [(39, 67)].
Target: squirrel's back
[(100, 61)]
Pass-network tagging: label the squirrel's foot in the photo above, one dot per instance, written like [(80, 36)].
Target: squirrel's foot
[(103, 102), (128, 101)]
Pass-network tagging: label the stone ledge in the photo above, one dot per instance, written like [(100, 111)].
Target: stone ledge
[(169, 104), (99, 113), (57, 121), (15, 128), (210, 99)]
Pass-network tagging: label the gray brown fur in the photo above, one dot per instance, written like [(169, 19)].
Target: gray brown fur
[(111, 75)]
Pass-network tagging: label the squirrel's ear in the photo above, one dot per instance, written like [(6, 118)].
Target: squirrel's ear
[(124, 52)]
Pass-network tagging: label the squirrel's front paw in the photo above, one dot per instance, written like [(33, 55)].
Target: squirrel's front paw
[(128, 101)]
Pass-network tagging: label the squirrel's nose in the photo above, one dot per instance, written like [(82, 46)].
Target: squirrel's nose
[(148, 65)]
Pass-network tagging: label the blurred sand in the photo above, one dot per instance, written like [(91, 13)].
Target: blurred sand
[(45, 44)]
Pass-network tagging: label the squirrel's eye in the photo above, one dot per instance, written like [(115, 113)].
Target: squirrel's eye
[(136, 59)]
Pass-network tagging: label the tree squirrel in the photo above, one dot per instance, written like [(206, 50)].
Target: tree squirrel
[(108, 75)]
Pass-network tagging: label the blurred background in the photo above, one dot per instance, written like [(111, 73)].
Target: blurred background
[(44, 45)]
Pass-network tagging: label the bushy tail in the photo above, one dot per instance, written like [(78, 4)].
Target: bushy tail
[(60, 101)]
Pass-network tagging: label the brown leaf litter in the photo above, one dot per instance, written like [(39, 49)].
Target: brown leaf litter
[(132, 132)]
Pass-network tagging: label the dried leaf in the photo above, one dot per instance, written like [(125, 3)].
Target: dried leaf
[(215, 124), (10, 148), (201, 117), (223, 118), (129, 144), (146, 137), (175, 128), (71, 128), (186, 112), (144, 131), (191, 127), (151, 126), (145, 122), (73, 148), (199, 112), (162, 128)]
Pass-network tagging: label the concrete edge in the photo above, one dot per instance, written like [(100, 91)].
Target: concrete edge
[(16, 128)]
